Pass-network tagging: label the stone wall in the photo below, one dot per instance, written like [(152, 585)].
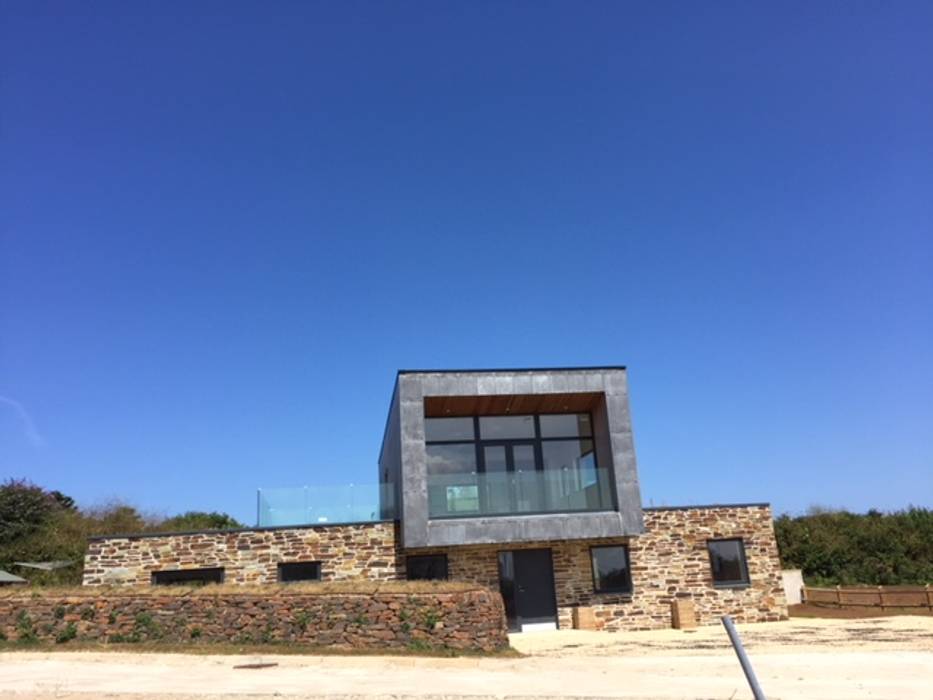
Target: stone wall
[(670, 560), (356, 551), (405, 616)]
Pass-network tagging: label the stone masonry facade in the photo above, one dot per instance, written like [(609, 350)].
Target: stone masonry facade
[(386, 616), (356, 551), (669, 561)]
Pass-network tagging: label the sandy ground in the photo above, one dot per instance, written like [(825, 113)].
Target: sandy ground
[(881, 658)]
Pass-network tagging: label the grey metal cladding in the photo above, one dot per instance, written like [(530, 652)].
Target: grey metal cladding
[(418, 531)]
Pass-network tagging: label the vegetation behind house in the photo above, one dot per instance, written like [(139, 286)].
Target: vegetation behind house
[(842, 548), (37, 525)]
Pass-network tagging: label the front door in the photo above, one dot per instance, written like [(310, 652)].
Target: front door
[(526, 580)]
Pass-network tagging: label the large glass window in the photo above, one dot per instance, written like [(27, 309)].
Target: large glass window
[(727, 560), (513, 464), (611, 570)]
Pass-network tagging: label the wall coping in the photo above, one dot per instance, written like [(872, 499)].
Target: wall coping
[(234, 531), (710, 506)]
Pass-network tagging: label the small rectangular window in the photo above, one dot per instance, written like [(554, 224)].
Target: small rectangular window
[(426, 567), (293, 571), (611, 571), (727, 560), (188, 577)]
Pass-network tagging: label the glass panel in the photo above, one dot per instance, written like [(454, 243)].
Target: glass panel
[(498, 490), (610, 569), (728, 561), (566, 425), (426, 567), (527, 484), (523, 457), (506, 427), (346, 503), (448, 429), (454, 489), (451, 459), (575, 478)]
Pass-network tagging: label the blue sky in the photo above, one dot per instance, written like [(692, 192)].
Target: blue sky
[(224, 226)]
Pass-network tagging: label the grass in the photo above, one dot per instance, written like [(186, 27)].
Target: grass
[(266, 649), (354, 587)]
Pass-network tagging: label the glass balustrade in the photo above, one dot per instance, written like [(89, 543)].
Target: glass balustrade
[(521, 491), (304, 505)]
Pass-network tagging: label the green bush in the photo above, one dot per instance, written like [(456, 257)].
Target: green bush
[(41, 525), (67, 634), (842, 548)]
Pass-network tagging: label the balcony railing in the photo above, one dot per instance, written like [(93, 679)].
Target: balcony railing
[(519, 492), (304, 505)]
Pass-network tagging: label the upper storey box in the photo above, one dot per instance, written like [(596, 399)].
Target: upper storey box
[(497, 456)]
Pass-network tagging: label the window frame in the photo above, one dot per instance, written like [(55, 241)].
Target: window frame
[(537, 441), (630, 589), (441, 555), (743, 563), (480, 443), (184, 574), (282, 564)]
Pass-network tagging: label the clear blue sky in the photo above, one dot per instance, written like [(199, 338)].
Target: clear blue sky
[(224, 226)]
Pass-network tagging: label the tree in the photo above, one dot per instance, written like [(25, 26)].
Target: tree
[(38, 525), (199, 520), (24, 507), (842, 548)]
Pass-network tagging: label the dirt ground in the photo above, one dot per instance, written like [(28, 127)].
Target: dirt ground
[(880, 658)]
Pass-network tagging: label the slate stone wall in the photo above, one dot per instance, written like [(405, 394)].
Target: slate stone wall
[(670, 560), (356, 551), (466, 620)]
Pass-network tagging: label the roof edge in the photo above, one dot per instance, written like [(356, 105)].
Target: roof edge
[(232, 531), (708, 506), (490, 370)]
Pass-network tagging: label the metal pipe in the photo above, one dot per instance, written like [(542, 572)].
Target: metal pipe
[(743, 658)]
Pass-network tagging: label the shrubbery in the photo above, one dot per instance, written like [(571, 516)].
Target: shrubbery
[(842, 548), (40, 525)]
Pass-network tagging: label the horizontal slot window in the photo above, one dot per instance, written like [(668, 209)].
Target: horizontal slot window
[(188, 577), (294, 571)]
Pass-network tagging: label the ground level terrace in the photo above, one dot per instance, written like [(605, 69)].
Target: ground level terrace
[(877, 659), (723, 559)]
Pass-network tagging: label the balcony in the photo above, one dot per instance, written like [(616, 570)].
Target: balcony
[(318, 505), (519, 493)]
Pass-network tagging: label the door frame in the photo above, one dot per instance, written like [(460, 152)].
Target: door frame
[(516, 626)]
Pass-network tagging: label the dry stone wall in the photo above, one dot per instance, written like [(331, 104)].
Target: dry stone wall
[(355, 551), (465, 620), (669, 561)]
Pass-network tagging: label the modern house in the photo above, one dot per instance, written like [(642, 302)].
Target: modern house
[(524, 480)]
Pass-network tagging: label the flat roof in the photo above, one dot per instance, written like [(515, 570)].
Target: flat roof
[(589, 368), (304, 526)]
